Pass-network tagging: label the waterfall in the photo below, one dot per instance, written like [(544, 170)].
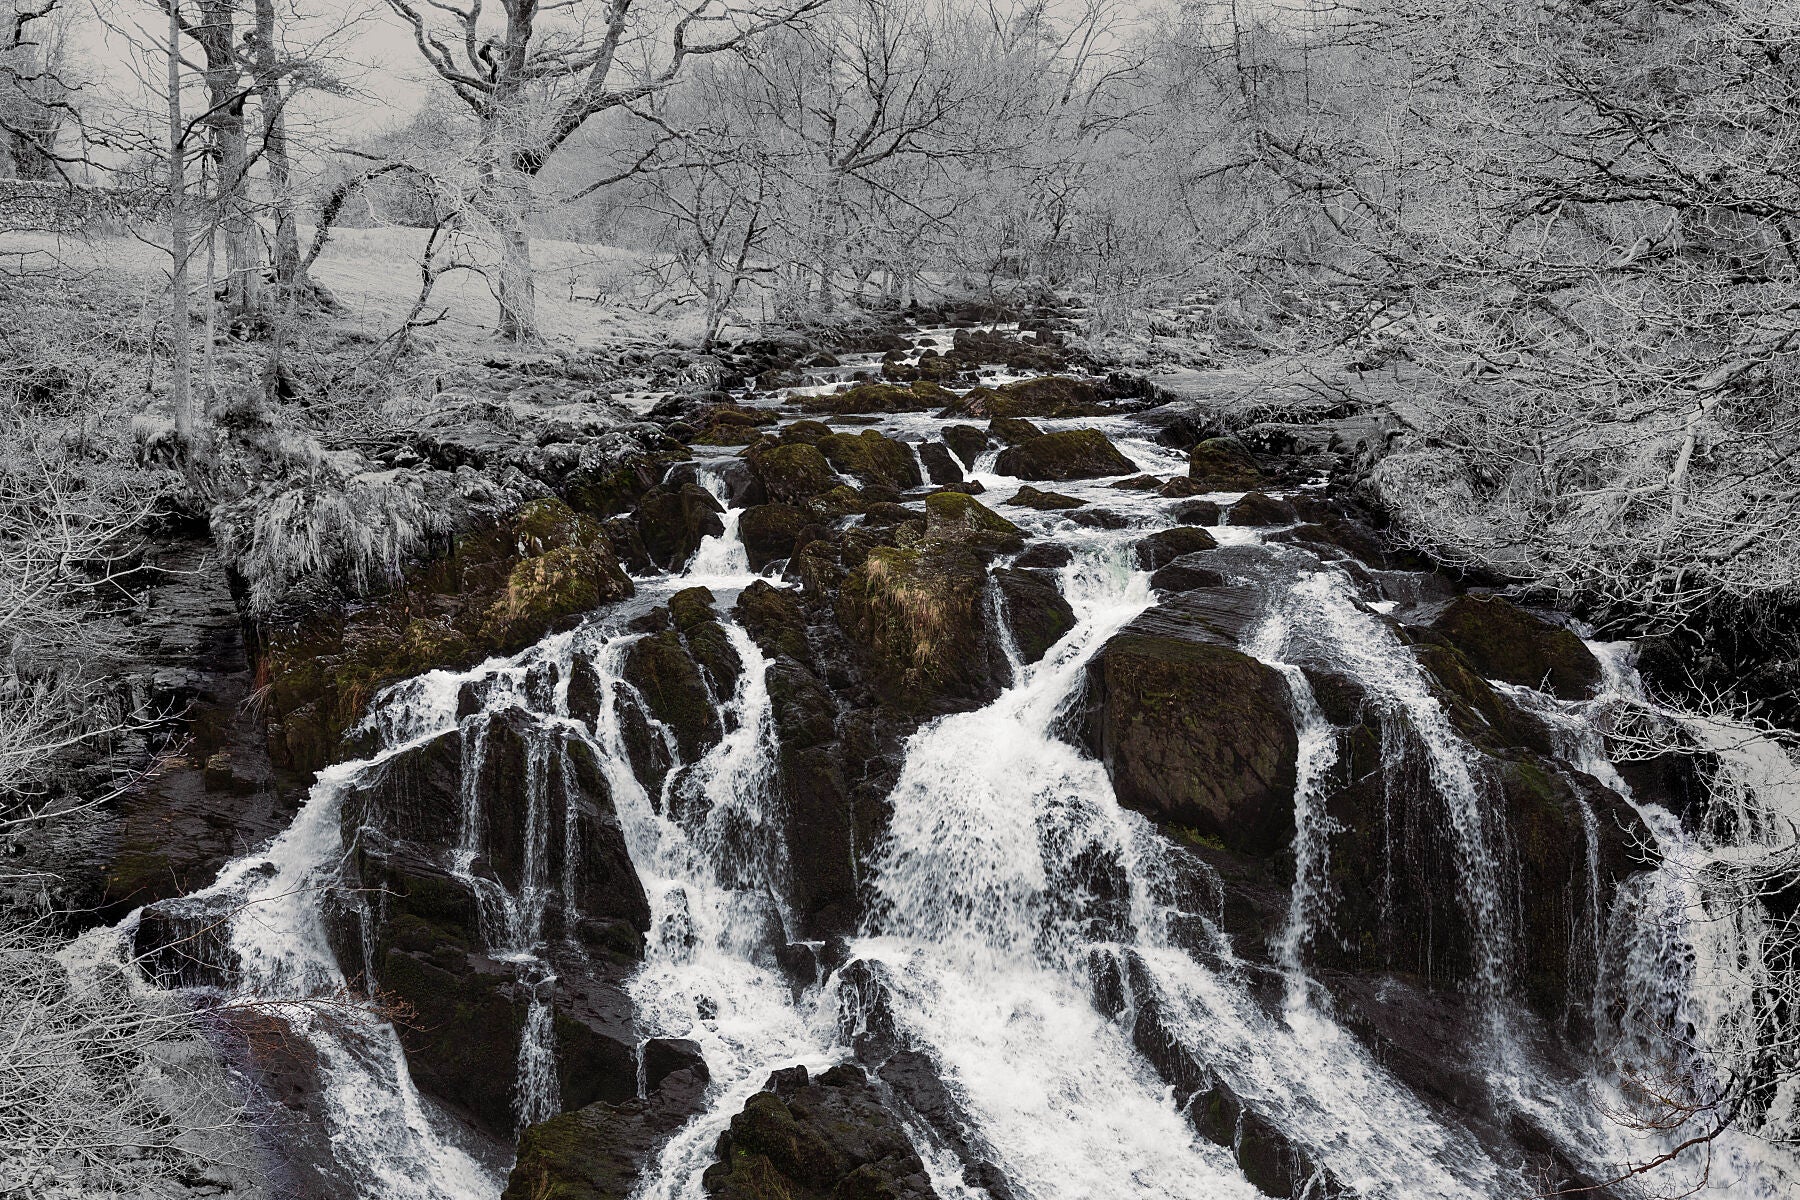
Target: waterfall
[(720, 555), (1309, 899)]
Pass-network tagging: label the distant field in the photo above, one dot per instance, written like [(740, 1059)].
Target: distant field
[(582, 288)]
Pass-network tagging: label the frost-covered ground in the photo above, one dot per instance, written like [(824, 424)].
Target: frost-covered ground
[(588, 295)]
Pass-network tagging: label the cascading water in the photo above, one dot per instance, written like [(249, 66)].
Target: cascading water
[(1009, 884)]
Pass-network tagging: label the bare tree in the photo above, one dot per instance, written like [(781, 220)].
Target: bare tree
[(537, 82)]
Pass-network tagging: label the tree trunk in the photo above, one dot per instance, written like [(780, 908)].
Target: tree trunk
[(216, 34), (504, 201), (180, 386), (286, 250)]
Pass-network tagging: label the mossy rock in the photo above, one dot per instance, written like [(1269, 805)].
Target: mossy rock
[(1036, 613), (1197, 733), (1165, 546), (1223, 465), (1045, 396), (805, 433), (1066, 454), (918, 614), (770, 531), (669, 680), (951, 513), (773, 619), (793, 474), (1030, 497), (1507, 643), (1013, 430), (674, 522), (966, 442), (690, 607), (872, 458), (918, 396), (542, 591)]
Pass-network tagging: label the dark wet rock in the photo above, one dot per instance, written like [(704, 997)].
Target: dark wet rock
[(792, 473), (940, 464), (1030, 497), (968, 487), (1507, 643), (1048, 555), (1067, 454), (829, 1138), (955, 514), (1195, 732), (1164, 547), (773, 619), (919, 396), (1181, 487), (1336, 538), (1256, 508), (1222, 465), (673, 523), (966, 442), (600, 1152), (1197, 512), (918, 617), (420, 933), (668, 679), (1097, 518), (872, 458), (1045, 396), (1013, 430), (1185, 574), (770, 531), (1138, 483), (1035, 610)]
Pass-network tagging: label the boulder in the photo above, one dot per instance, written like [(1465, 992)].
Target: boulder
[(1186, 574), (773, 619), (948, 514), (1068, 454), (1256, 508), (1507, 643), (919, 396), (792, 473), (918, 616), (1196, 733), (1013, 430), (599, 1152), (830, 1138), (673, 523), (1222, 465), (1030, 497), (1164, 547), (966, 442), (1035, 610), (1044, 396), (1197, 512), (940, 464), (769, 532), (872, 458)]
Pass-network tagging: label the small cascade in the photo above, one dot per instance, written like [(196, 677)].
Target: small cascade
[(1325, 619), (722, 554), (1309, 899)]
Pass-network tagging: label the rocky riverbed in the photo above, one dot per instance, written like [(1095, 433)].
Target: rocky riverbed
[(935, 766)]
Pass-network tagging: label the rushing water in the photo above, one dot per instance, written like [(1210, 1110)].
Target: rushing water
[(1007, 872)]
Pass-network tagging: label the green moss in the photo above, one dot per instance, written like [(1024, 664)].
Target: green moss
[(690, 606), (872, 458), (949, 513), (794, 473), (1066, 454), (1222, 465), (919, 396), (1188, 835)]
